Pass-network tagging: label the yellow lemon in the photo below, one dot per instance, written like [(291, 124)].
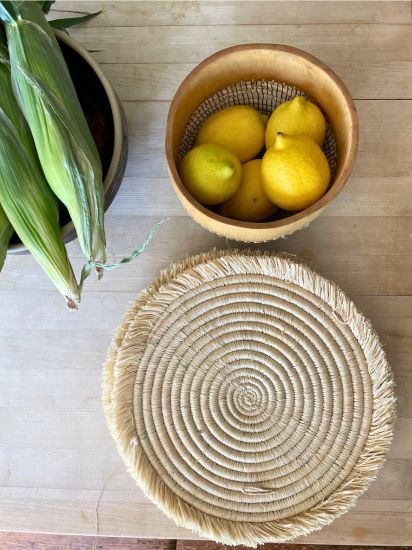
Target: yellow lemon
[(249, 203), (265, 119), (211, 173), (239, 128), (297, 117), (295, 172)]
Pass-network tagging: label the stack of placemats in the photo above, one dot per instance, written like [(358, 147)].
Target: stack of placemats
[(248, 396)]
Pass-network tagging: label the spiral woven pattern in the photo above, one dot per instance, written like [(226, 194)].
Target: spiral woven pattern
[(249, 397), (263, 95)]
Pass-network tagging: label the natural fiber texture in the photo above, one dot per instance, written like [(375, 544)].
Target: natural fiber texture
[(248, 397), (263, 95)]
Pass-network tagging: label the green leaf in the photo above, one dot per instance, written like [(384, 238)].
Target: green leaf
[(63, 24), (46, 5)]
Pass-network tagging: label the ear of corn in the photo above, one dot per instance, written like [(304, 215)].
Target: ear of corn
[(32, 210), (6, 229), (64, 144), (25, 197), (9, 104)]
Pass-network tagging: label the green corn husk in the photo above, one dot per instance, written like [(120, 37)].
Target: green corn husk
[(45, 5), (25, 196), (8, 101), (6, 231), (64, 144)]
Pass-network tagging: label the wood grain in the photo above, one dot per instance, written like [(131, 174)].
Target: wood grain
[(384, 147), (209, 545), (32, 541), (173, 44), (391, 316), (382, 197), (373, 79), (24, 541), (59, 469), (360, 253), (217, 12), (119, 513)]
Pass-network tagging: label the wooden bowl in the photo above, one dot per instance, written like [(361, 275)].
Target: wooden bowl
[(269, 62), (106, 119)]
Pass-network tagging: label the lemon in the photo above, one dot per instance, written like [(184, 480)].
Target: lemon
[(295, 172), (211, 173), (297, 117), (265, 119), (249, 203), (239, 128)]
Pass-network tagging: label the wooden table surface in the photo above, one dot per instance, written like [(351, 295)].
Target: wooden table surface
[(59, 468)]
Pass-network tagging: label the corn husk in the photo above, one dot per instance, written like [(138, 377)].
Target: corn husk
[(6, 231), (64, 144), (9, 104), (25, 198)]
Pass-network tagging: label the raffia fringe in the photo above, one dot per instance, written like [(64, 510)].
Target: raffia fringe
[(119, 376)]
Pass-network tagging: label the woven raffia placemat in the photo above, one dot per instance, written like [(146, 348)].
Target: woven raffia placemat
[(248, 396)]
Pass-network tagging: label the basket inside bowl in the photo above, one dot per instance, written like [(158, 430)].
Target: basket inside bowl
[(263, 95)]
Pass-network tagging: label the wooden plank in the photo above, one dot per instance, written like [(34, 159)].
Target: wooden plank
[(404, 395), (59, 468), (190, 44), (379, 196), (384, 148), (394, 481), (211, 12), (373, 79), (210, 545), (401, 446), (391, 317), (92, 512), (365, 256), (24, 541), (86, 429), (66, 429), (87, 469), (52, 387), (50, 345), (75, 511), (70, 468)]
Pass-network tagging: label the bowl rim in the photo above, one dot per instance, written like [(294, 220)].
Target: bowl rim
[(118, 121), (331, 193)]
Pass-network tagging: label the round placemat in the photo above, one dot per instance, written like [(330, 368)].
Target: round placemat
[(248, 396)]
